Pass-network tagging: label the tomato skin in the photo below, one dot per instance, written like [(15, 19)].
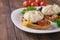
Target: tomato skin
[(26, 3), (34, 4), (30, 1), (42, 22), (43, 3), (38, 1)]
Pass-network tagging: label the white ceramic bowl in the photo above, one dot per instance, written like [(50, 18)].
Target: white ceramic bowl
[(16, 19)]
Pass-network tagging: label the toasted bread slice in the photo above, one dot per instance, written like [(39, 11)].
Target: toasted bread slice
[(35, 26)]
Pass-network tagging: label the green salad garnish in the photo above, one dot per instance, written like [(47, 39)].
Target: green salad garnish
[(29, 8), (57, 21), (23, 11)]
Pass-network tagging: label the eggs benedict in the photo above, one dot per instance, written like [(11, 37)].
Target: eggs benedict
[(35, 19)]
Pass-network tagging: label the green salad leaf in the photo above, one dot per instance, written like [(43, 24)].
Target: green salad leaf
[(57, 21), (29, 8), (23, 11)]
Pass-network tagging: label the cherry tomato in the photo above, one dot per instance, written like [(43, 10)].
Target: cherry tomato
[(26, 3), (42, 22), (34, 4), (38, 1), (30, 1), (43, 3)]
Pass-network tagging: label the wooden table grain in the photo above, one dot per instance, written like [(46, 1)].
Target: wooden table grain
[(8, 31)]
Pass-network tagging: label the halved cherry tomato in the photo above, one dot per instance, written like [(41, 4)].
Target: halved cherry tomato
[(42, 22), (30, 1), (38, 1), (26, 3), (43, 3), (34, 4)]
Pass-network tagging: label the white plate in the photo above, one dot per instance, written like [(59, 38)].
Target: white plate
[(16, 19)]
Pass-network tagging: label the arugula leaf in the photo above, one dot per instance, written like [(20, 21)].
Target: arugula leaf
[(23, 11), (57, 21), (30, 8)]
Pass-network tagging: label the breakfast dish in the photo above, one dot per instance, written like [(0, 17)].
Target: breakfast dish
[(38, 19), (18, 14)]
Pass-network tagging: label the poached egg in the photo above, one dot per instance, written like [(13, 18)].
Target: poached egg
[(33, 16), (51, 9)]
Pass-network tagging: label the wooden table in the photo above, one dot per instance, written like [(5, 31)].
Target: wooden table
[(8, 31)]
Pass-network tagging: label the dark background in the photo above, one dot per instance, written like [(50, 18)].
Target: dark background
[(8, 31)]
